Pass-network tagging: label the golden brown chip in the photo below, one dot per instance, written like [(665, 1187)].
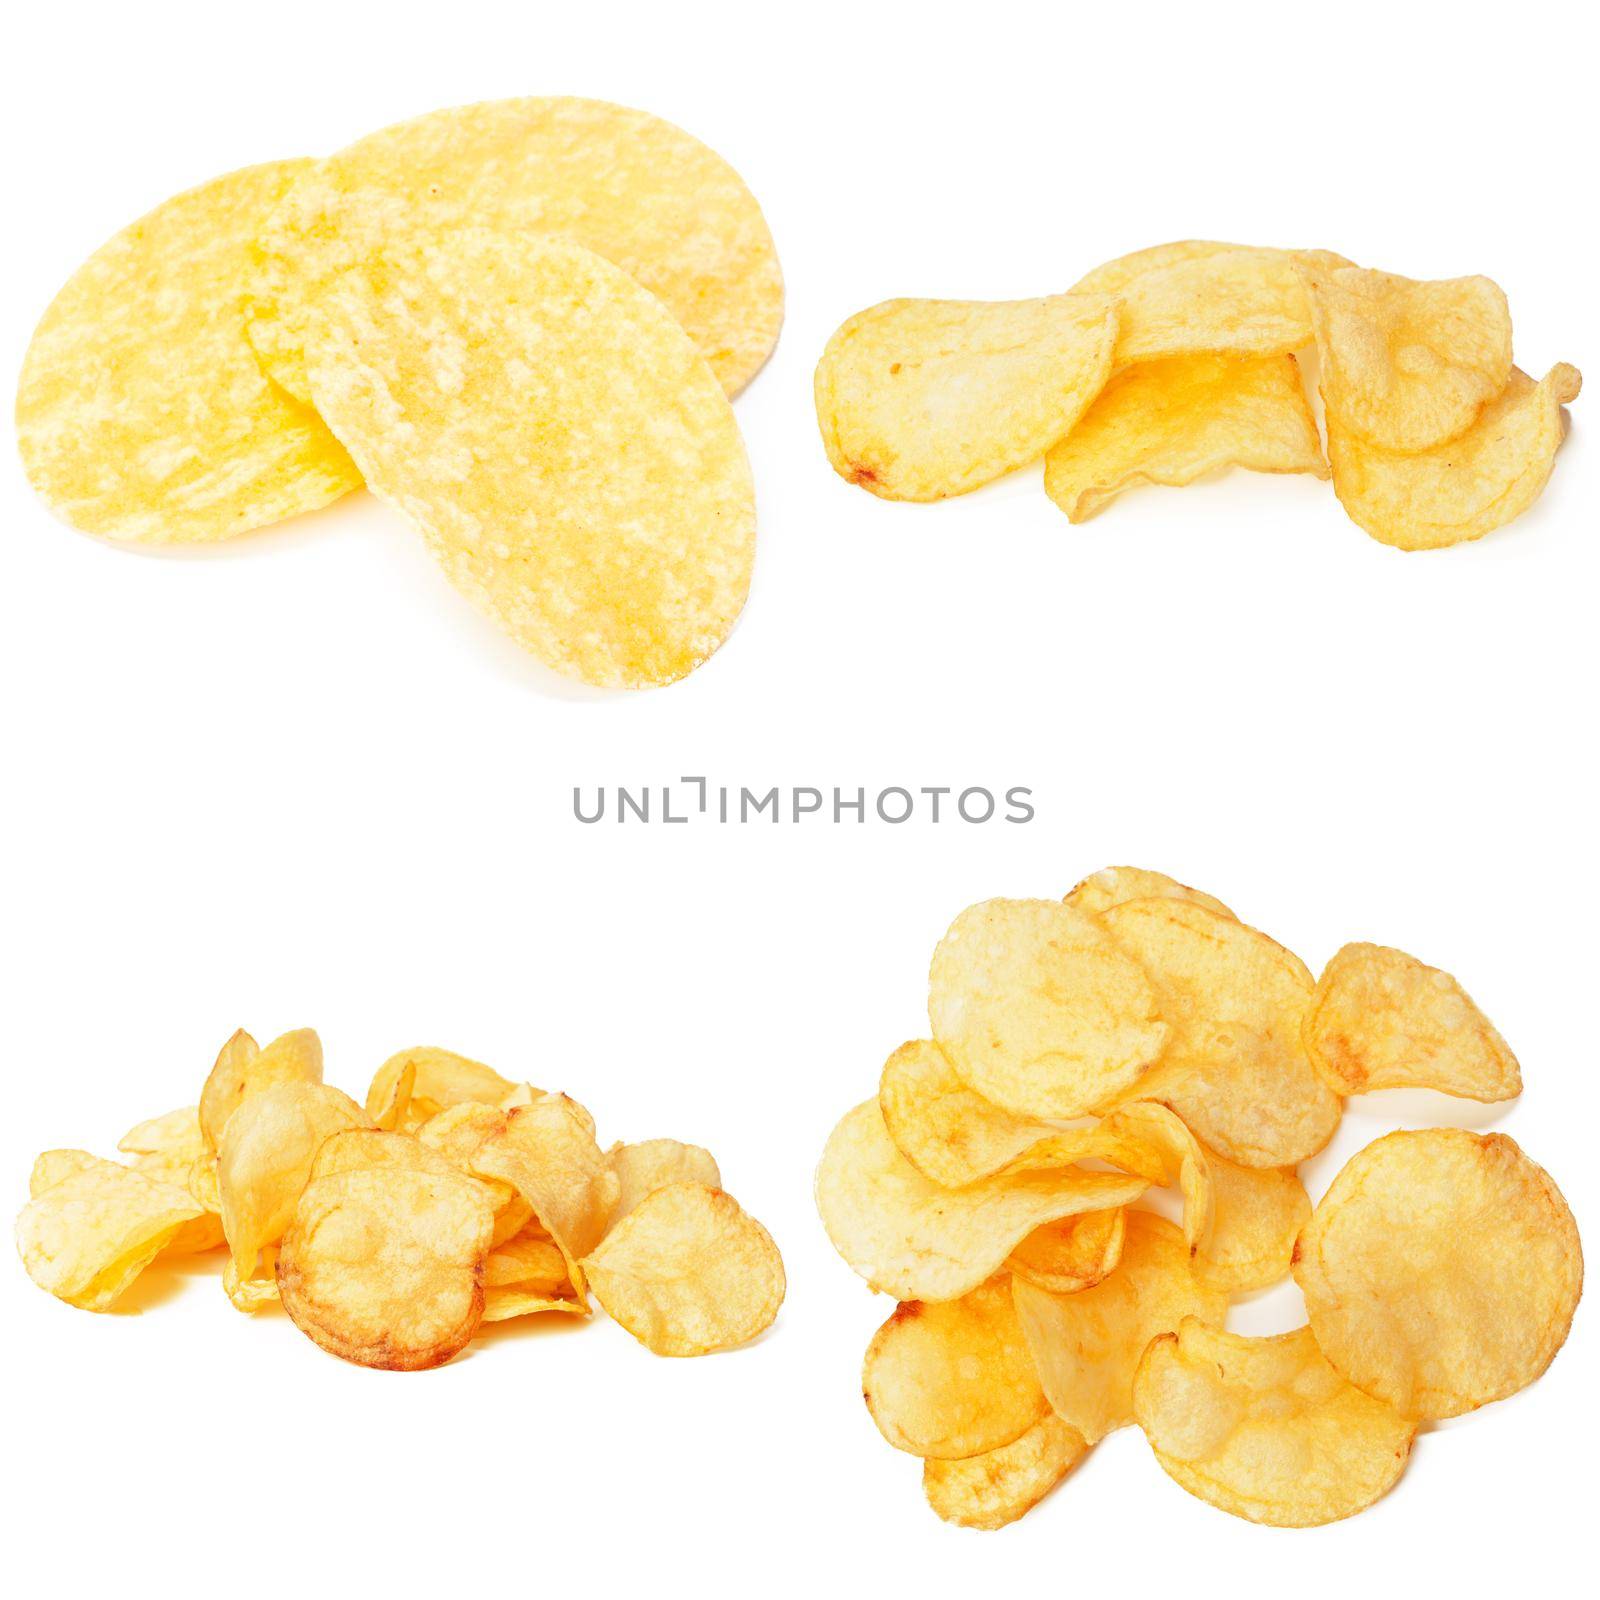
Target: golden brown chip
[(1039, 1010), (657, 203), (1111, 886), (555, 437), (502, 1303), (1074, 1253), (413, 1085), (997, 1487), (688, 1272), (651, 1164), (531, 1259), (922, 399), (1256, 1214), (953, 1380), (142, 412), (1441, 1270), (242, 1070), (1171, 422), (1380, 1019), (1466, 488), (1087, 1345), (1265, 1428)]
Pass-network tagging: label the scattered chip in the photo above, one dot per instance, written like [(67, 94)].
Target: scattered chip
[(997, 1487), (1111, 886), (1256, 1215)]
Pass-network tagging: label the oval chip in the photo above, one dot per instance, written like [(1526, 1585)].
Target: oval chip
[(997, 1487)]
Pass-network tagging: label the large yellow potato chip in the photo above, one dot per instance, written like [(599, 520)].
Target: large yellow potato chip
[(1039, 1010), (910, 1237), (1087, 1345), (952, 1380), (657, 203), (1265, 1428), (1111, 886), (922, 399), (1235, 1069), (1408, 365), (142, 412), (997, 1487), (1380, 1019), (1256, 1215), (383, 1265), (1171, 422), (1463, 489), (242, 1070), (556, 438), (688, 1272), (1441, 1270), (413, 1085), (651, 1164), (1074, 1253), (86, 1237)]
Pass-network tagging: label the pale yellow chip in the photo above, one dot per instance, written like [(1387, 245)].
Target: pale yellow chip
[(1235, 1069), (1039, 1010), (654, 201), (168, 1148), (1256, 1215), (356, 1147), (86, 1237), (1464, 489), (175, 1134), (922, 399), (651, 1164), (1381, 1019), (1072, 1254), (414, 1085), (951, 1380), (1441, 1270), (242, 1070), (1408, 365), (688, 1272), (1111, 886), (256, 1290), (1265, 1428), (56, 1166), (997, 1487), (914, 1239), (1171, 422), (556, 438), (1087, 1345), (142, 412)]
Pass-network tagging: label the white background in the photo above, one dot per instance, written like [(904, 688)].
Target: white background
[(298, 781)]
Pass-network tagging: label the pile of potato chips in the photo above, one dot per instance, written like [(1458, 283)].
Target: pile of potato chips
[(391, 1232), (1136, 1035), (518, 322), (1183, 359)]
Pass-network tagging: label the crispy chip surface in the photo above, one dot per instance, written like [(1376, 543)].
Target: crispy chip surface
[(1265, 1428), (56, 1166), (1074, 1253), (651, 1164), (922, 399), (1381, 1019), (556, 438), (1111, 886), (242, 1070), (1256, 1215), (652, 200), (688, 1272), (997, 1487), (142, 412)]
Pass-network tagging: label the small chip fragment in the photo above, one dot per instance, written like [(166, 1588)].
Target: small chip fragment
[(997, 1487)]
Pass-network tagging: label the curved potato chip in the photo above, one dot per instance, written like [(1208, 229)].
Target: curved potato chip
[(86, 1237), (651, 199), (56, 1166), (242, 1070), (1111, 886), (997, 1487), (651, 1164), (502, 1303), (352, 1148), (1478, 1297), (607, 521), (1265, 1428), (922, 399), (916, 1240), (952, 1380), (175, 1134), (142, 412), (1072, 1254), (532, 1260), (256, 1291), (1112, 277), (1171, 422), (1039, 1010), (1464, 489), (166, 1148), (383, 1265), (438, 1079), (687, 1272), (1087, 1345), (1256, 1214), (1408, 365), (1380, 1019)]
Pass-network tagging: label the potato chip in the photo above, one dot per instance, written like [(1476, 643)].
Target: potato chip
[(997, 1487), (254, 1291), (643, 1168), (167, 1148), (1464, 489), (88, 1236), (1039, 1010), (916, 1240), (1087, 1345), (1111, 886), (952, 1380), (242, 1070), (1265, 1428), (142, 413), (1441, 1270), (1380, 1019), (383, 1265), (175, 1133), (531, 1259), (502, 1303), (1234, 1069), (657, 203), (1171, 422), (555, 437), (922, 399), (1407, 365), (1072, 1254), (437, 1079), (56, 1166), (687, 1272), (1256, 1214)]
